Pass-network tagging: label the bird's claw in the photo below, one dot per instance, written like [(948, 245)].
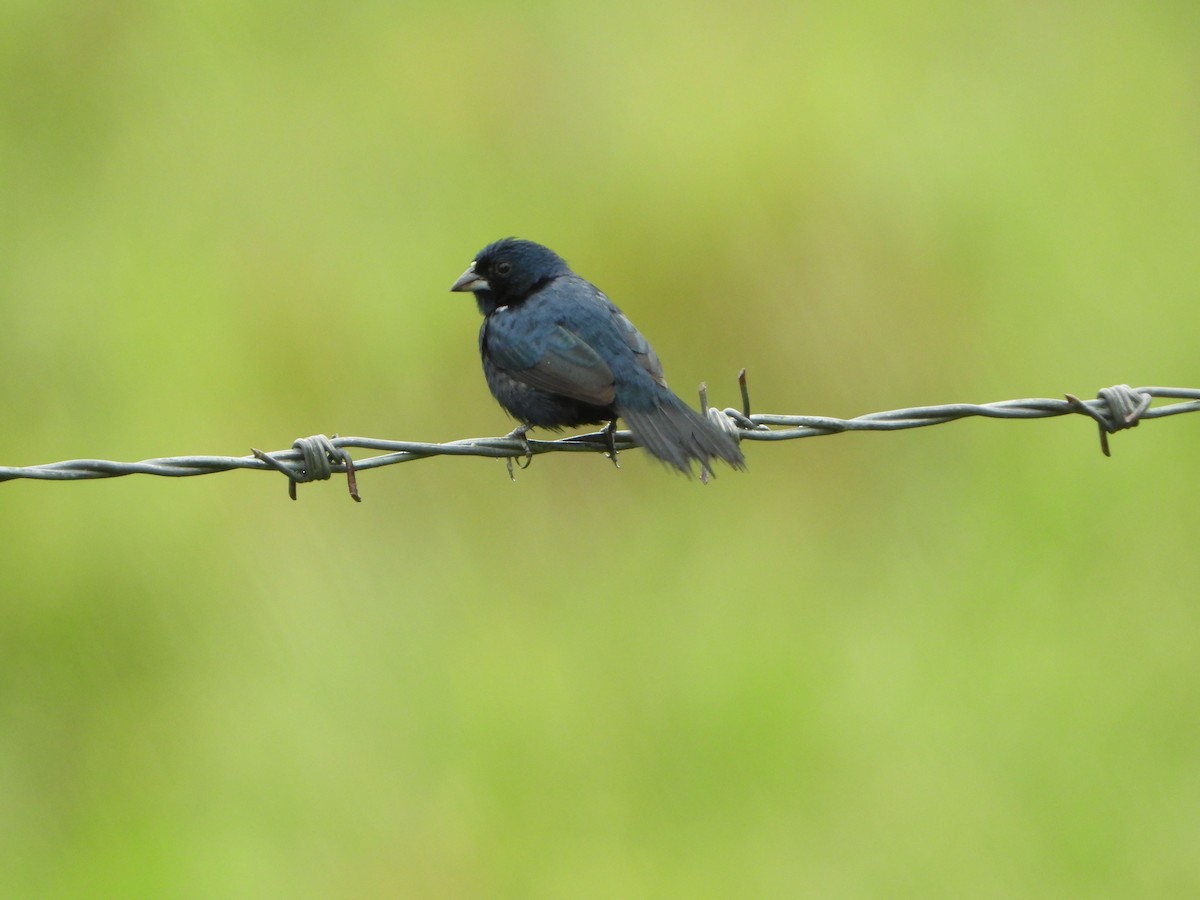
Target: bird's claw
[(518, 434), (610, 438)]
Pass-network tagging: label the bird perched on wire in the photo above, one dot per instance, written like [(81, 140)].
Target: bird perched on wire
[(558, 353)]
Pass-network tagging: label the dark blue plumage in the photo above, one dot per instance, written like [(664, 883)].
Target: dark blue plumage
[(558, 353)]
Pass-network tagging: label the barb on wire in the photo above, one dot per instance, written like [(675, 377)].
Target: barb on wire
[(319, 457)]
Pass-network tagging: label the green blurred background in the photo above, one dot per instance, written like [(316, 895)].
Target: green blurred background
[(959, 661)]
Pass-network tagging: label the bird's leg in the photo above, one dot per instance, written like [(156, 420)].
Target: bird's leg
[(518, 434), (610, 438)]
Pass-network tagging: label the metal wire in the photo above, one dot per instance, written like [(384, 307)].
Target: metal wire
[(319, 457)]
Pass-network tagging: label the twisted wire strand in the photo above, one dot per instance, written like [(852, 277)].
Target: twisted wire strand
[(319, 457)]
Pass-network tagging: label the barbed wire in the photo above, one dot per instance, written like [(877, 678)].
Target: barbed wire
[(320, 457)]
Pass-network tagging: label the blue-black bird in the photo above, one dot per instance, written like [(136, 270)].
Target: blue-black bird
[(558, 353)]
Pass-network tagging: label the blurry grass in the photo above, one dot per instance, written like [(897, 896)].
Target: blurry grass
[(948, 662)]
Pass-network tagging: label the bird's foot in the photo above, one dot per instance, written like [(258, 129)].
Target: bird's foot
[(610, 438), (518, 434)]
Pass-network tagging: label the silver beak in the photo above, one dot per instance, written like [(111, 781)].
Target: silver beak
[(469, 281)]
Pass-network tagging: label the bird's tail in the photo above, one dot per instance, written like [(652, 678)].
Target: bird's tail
[(678, 434)]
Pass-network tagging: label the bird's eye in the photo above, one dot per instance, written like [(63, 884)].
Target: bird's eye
[(503, 268)]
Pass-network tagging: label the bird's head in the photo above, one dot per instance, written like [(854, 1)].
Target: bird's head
[(507, 272)]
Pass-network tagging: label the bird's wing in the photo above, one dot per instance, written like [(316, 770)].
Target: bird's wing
[(641, 348), (560, 362)]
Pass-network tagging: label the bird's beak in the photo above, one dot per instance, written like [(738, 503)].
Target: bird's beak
[(470, 281)]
